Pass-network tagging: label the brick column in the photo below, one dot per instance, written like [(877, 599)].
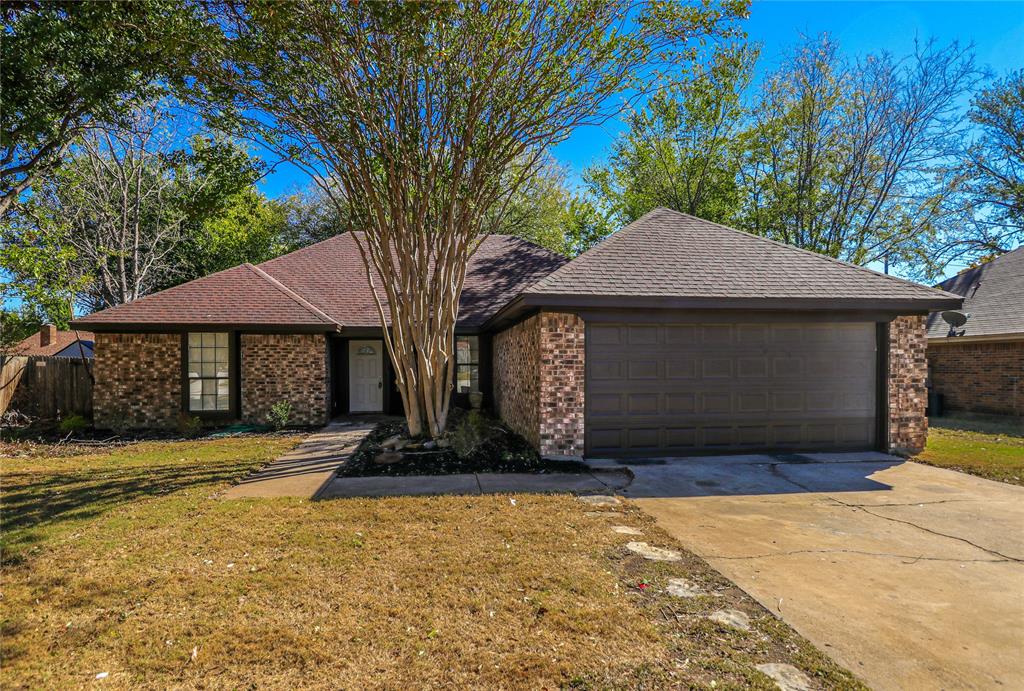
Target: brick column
[(908, 397), (562, 383), (516, 368)]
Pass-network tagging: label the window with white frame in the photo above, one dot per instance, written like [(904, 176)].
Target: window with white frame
[(467, 364), (209, 372)]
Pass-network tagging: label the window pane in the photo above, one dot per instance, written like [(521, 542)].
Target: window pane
[(222, 387), (195, 399), (209, 386), (468, 378), (467, 350), (209, 340), (209, 402), (208, 369), (195, 340), (222, 340), (222, 402), (221, 356)]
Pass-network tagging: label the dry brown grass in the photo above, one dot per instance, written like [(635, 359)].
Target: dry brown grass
[(127, 563)]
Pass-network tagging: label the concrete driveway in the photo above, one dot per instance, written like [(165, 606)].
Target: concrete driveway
[(910, 576)]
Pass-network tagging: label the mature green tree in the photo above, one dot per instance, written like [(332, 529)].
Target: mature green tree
[(992, 173), (114, 222), (417, 112), (679, 150), (848, 158), (546, 212), (247, 228), (68, 66)]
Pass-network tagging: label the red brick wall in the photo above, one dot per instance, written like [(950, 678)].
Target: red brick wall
[(562, 383), (284, 367), (908, 397), (978, 377), (138, 380), (516, 374)]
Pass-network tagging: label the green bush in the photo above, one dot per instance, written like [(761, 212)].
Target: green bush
[(73, 424), (469, 433), (189, 425), (280, 414)]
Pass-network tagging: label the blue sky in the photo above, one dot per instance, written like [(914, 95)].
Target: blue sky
[(995, 28)]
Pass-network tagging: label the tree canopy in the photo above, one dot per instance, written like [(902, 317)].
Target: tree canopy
[(69, 66)]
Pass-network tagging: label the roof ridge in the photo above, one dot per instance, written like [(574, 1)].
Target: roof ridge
[(288, 292), (849, 265), (980, 268)]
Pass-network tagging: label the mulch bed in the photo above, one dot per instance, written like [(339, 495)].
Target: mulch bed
[(502, 451)]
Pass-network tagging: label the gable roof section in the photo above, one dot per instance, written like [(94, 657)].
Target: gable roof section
[(323, 287), (993, 296), (670, 259), (244, 295)]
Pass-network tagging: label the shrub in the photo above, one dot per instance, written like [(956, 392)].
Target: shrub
[(189, 425), (469, 433), (73, 424), (280, 414)]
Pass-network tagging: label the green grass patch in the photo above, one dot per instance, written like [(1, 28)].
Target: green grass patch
[(993, 449)]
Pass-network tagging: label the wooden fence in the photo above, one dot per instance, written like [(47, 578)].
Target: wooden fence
[(46, 387)]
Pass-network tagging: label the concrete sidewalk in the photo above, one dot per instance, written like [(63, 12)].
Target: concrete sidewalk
[(595, 482), (306, 469)]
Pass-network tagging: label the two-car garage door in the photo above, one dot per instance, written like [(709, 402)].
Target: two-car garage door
[(659, 389)]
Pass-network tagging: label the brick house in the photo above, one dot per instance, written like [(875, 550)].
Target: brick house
[(673, 336), (978, 367)]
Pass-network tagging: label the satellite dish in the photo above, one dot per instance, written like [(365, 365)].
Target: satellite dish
[(954, 318)]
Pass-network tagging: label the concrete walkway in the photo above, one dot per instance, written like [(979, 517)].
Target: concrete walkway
[(306, 469)]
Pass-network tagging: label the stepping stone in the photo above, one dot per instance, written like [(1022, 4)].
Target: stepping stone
[(599, 500), (682, 587), (653, 553), (731, 617), (626, 530), (786, 677)]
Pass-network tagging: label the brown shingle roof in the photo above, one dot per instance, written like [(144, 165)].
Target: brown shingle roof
[(666, 254), (993, 296), (32, 345), (242, 295), (325, 285)]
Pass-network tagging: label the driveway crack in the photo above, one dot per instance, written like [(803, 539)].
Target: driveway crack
[(928, 530), (860, 507)]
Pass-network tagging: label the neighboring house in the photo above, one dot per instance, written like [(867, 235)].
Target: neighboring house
[(55, 343), (673, 336), (978, 367)]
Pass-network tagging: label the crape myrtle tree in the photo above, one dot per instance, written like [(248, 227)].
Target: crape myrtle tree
[(412, 114)]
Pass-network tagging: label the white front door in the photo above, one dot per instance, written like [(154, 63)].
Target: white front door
[(365, 376)]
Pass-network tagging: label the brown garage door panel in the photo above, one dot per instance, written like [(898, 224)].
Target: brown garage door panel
[(670, 388)]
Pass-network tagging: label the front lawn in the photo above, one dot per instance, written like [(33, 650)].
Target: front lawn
[(990, 449), (125, 569)]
